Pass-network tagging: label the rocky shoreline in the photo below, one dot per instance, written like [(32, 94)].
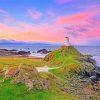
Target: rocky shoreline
[(93, 73), (6, 52)]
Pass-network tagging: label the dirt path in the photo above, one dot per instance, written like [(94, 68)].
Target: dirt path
[(45, 69)]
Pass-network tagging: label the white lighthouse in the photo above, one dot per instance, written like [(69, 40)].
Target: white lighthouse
[(66, 42)]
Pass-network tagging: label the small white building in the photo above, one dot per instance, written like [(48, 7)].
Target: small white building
[(67, 42)]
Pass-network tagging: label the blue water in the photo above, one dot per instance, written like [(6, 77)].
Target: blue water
[(92, 50)]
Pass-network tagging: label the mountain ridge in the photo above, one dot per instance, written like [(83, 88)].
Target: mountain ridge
[(4, 41)]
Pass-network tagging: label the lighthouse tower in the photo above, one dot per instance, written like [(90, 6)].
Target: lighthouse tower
[(66, 42)]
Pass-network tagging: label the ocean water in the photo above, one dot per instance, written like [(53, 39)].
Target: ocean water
[(91, 50)]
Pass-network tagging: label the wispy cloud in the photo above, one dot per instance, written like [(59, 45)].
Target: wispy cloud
[(75, 18), (2, 11), (34, 14), (63, 1), (82, 25), (6, 18), (24, 31), (50, 13)]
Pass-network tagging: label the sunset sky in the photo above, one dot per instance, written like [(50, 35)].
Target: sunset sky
[(50, 20)]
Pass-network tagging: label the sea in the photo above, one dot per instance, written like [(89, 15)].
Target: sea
[(90, 50)]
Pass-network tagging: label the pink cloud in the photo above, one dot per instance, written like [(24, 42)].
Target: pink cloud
[(6, 18), (47, 33), (82, 17), (82, 25), (34, 14), (28, 32), (81, 34), (92, 34), (2, 11), (50, 13), (63, 1), (77, 18)]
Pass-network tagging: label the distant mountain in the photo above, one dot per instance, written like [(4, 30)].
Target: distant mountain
[(4, 41)]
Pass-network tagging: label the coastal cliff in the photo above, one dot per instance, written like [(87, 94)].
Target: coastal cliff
[(79, 71)]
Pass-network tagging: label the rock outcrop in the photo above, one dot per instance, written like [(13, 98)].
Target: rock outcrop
[(23, 53), (43, 51), (89, 69), (30, 77), (82, 69), (85, 63), (5, 52)]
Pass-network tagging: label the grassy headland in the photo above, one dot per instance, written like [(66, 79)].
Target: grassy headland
[(64, 82)]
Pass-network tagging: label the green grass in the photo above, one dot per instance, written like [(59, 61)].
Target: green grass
[(15, 61), (18, 92), (62, 57), (65, 59), (9, 91)]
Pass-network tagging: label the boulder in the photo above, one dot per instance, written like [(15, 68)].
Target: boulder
[(23, 53), (43, 51), (97, 71)]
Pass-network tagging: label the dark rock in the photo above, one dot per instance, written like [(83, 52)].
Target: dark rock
[(5, 52), (24, 53), (13, 50), (94, 79), (33, 52), (87, 58), (86, 74), (97, 71), (43, 51), (90, 60), (93, 75)]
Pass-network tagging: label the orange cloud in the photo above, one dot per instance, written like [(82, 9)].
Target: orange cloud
[(29, 32)]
